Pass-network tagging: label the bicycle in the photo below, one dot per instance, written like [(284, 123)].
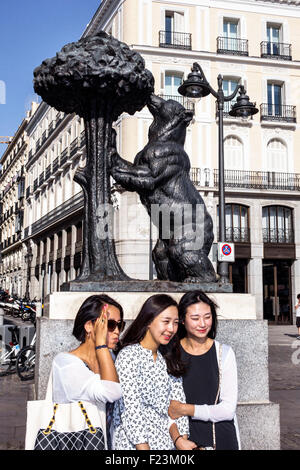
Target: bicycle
[(25, 362), (9, 353)]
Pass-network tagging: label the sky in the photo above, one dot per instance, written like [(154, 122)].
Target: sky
[(31, 31)]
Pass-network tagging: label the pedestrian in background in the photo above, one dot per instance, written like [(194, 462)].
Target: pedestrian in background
[(297, 310)]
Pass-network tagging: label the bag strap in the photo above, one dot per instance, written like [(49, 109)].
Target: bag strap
[(218, 392), (92, 430)]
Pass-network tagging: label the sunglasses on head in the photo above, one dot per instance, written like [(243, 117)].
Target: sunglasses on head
[(113, 324)]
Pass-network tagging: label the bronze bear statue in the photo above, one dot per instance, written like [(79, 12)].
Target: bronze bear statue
[(160, 175)]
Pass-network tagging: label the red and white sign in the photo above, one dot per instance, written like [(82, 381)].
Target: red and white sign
[(226, 252)]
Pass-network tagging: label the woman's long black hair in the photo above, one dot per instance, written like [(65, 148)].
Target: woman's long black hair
[(191, 298), (90, 310), (135, 333)]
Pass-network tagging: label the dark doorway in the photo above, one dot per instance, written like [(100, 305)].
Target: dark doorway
[(277, 291), (238, 276)]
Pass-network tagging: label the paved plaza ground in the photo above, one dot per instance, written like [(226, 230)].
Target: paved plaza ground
[(284, 360)]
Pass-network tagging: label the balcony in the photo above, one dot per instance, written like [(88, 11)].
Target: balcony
[(55, 165), (82, 139), (35, 184), (236, 234), (260, 180), (276, 50), (175, 40), (277, 112), (246, 179), (72, 205), (28, 192), (74, 146), (277, 235), (232, 46), (64, 158), (182, 100)]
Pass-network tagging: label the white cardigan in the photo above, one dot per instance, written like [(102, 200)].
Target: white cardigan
[(226, 409)]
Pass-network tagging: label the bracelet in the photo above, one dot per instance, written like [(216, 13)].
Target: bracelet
[(102, 346), (177, 439)]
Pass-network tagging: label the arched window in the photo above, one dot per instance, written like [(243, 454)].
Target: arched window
[(237, 223), (277, 224), (233, 153), (277, 155)]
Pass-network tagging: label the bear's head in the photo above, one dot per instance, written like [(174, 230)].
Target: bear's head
[(170, 120)]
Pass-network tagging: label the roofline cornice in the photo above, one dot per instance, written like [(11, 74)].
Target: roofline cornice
[(105, 8), (37, 116)]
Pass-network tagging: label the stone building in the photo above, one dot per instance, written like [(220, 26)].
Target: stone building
[(249, 43), (13, 271), (257, 46)]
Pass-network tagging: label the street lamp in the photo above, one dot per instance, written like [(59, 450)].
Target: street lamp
[(196, 87), (28, 259)]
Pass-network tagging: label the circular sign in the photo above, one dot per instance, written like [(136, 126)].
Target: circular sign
[(226, 250)]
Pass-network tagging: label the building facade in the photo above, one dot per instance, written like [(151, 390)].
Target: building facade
[(12, 206), (251, 43)]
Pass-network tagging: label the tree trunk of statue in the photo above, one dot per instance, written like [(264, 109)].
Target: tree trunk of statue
[(99, 259)]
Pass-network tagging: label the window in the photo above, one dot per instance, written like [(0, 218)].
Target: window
[(277, 156), (273, 39), (174, 34), (174, 23), (172, 82), (274, 99), (233, 153), (230, 33), (229, 85), (277, 224), (237, 223)]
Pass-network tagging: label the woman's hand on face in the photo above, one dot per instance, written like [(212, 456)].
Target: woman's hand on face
[(176, 409), (100, 328), (185, 444)]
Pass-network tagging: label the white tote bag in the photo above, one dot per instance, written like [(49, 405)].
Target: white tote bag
[(69, 426)]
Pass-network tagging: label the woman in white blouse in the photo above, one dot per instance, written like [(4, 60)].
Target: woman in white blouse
[(150, 371), (88, 373), (211, 391)]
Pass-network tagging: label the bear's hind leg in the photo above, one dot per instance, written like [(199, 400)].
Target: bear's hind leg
[(161, 260)]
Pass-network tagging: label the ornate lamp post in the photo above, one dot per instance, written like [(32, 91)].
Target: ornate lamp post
[(28, 260), (196, 87)]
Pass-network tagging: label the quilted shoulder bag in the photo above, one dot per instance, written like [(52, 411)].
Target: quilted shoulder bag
[(69, 426)]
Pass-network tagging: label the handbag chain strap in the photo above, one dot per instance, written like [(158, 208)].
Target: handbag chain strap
[(84, 412), (218, 393)]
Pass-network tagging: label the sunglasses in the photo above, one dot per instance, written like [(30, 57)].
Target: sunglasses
[(113, 324)]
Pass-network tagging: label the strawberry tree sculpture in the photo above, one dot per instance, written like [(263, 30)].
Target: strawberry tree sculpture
[(98, 78)]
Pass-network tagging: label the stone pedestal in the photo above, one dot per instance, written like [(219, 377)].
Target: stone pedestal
[(258, 418)]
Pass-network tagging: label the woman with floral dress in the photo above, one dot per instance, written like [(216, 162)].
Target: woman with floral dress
[(150, 370)]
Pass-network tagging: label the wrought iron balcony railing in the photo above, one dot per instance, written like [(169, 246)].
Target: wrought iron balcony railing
[(236, 234), (259, 180), (277, 112), (73, 204), (235, 46), (181, 99), (277, 235), (276, 50), (175, 40)]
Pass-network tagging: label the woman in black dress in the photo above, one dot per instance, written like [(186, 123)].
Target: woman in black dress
[(210, 383)]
